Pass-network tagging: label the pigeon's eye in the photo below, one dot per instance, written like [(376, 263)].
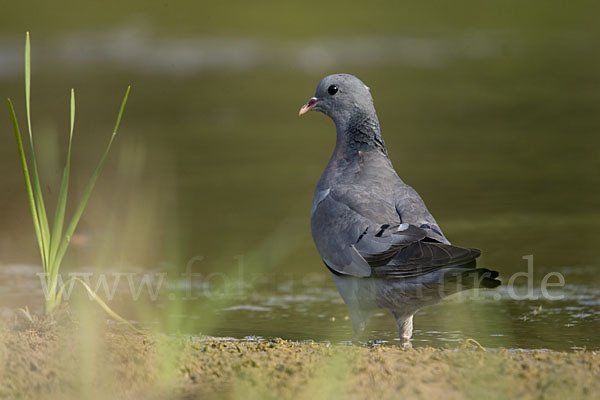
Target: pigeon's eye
[(332, 90)]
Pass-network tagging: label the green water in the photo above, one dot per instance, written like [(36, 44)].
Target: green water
[(491, 113)]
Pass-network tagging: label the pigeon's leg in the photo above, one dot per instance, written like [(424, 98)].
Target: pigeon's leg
[(359, 320), (405, 327)]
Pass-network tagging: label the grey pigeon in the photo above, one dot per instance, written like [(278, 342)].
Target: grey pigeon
[(372, 230)]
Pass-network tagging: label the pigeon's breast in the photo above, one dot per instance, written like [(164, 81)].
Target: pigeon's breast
[(365, 184), (371, 205), (319, 196)]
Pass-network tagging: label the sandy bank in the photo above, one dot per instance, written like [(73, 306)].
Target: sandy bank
[(63, 358)]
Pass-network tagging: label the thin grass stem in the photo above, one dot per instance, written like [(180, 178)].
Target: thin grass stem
[(88, 190), (37, 189), (98, 300), (61, 205), (25, 168)]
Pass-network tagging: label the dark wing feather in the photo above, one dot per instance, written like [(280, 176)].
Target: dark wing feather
[(396, 252), (423, 257)]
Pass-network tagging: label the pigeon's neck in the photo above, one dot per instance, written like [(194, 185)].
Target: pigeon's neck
[(361, 132)]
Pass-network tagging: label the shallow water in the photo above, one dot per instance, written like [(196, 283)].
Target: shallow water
[(317, 314), (310, 309), (213, 172)]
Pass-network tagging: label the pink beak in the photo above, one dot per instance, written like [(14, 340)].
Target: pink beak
[(308, 106)]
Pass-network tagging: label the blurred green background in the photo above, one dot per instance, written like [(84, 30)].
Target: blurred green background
[(489, 109)]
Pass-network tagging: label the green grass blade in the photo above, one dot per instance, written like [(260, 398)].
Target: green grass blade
[(25, 169), (37, 190), (72, 117), (88, 190), (61, 205), (98, 300), (28, 80), (121, 110)]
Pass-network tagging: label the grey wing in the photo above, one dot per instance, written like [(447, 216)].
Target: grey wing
[(352, 242), (412, 210), (341, 219)]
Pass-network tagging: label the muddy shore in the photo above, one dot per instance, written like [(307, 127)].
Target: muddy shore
[(64, 358)]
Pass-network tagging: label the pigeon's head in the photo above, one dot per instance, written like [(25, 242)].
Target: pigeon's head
[(341, 96)]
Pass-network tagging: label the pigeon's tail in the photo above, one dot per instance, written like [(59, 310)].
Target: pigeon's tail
[(474, 278)]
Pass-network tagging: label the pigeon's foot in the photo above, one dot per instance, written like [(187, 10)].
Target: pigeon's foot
[(405, 326)]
